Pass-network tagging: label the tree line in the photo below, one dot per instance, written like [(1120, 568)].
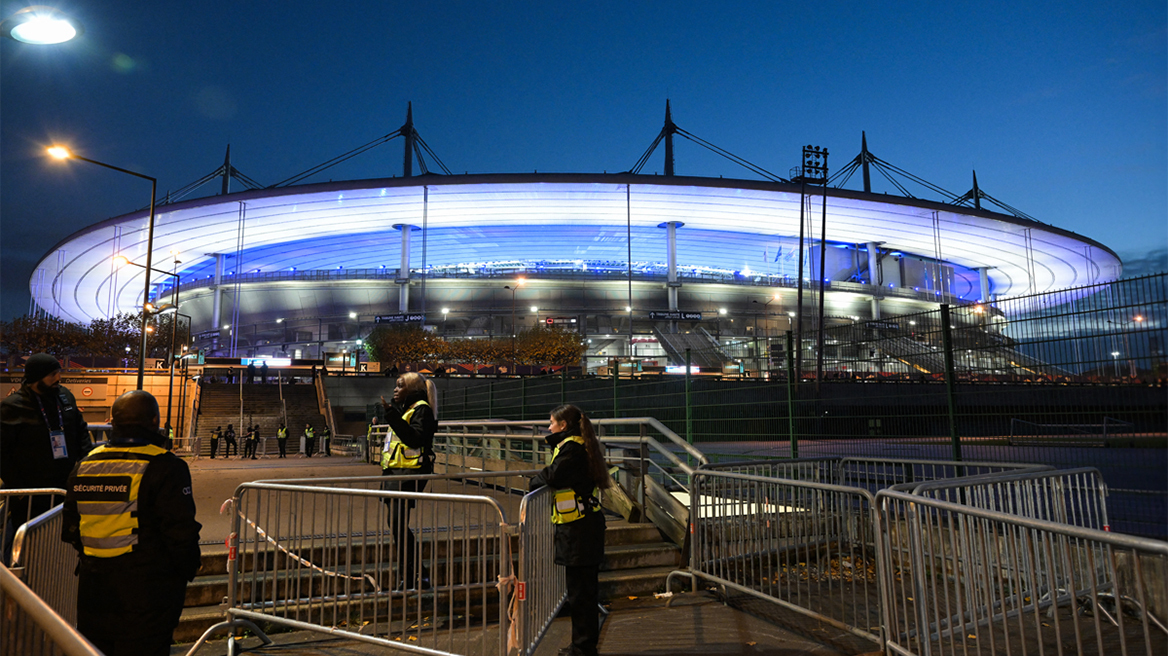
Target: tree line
[(99, 338), (539, 346)]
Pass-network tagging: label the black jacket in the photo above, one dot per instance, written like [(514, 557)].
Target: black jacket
[(168, 535), (26, 454), (418, 432), (580, 542)]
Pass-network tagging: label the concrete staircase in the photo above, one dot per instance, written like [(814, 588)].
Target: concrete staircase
[(638, 560), (220, 406)]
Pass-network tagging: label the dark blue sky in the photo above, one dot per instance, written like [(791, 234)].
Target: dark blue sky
[(1061, 107)]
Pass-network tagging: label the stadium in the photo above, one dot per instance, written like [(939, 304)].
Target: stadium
[(625, 259)]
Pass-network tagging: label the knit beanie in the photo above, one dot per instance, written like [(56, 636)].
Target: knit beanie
[(38, 366)]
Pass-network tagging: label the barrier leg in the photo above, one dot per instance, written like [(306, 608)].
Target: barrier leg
[(229, 625)]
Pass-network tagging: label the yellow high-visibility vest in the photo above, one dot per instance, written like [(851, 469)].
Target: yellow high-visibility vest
[(394, 453), (106, 490), (568, 506)]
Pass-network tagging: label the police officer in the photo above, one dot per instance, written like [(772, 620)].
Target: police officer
[(327, 435), (408, 451), (130, 514), (42, 435)]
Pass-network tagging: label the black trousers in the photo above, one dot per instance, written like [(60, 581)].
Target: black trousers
[(309, 446), (129, 613), (405, 544), (583, 585), (214, 447), (230, 445), (283, 444)]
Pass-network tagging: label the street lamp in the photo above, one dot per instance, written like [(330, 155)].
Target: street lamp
[(518, 283), (1115, 359), (445, 311), (61, 152), (41, 25)]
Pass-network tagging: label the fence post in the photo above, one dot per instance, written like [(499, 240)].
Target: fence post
[(564, 385), (790, 396), (950, 380), (688, 401), (615, 403), (522, 399), (491, 400)]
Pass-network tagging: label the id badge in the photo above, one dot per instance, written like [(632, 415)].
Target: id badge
[(60, 451)]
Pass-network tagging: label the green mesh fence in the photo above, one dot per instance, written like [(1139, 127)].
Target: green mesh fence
[(1068, 378)]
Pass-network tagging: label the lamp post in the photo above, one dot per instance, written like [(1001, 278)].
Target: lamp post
[(766, 318), (1115, 360), (1131, 363), (518, 283), (445, 311), (61, 152), (41, 25)]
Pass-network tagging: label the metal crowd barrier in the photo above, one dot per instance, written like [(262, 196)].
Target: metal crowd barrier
[(872, 474), (29, 627), (17, 507), (804, 546), (540, 586), (965, 580), (317, 556), (47, 563), (1068, 496)]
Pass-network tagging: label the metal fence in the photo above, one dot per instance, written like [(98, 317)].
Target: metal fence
[(17, 507), (417, 571), (806, 547), (1067, 496), (966, 580), (29, 627), (47, 564), (540, 587), (1069, 379), (872, 474)]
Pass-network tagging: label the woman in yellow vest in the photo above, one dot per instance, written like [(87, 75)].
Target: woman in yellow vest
[(577, 473), (408, 450)]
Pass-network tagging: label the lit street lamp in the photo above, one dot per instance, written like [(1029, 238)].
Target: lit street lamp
[(40, 25), (60, 152), (518, 283)]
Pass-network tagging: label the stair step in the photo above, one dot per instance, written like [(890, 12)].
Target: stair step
[(633, 582)]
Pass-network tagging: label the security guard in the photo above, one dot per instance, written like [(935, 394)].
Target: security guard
[(130, 513), (309, 440), (282, 439), (576, 472), (408, 450), (215, 437)]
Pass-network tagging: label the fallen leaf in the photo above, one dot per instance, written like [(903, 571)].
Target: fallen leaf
[(752, 643), (631, 598)]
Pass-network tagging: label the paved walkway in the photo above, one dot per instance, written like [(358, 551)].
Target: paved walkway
[(694, 625)]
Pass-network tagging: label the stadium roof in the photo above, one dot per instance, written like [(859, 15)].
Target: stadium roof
[(733, 224)]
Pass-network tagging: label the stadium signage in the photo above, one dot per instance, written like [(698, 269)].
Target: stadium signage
[(674, 316), (884, 325), (206, 334), (400, 318)]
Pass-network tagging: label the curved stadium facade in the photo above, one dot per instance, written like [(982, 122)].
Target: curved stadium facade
[(299, 271)]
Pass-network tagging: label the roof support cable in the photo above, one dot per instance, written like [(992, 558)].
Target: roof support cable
[(338, 159)]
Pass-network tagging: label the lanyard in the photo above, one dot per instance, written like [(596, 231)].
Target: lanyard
[(60, 415)]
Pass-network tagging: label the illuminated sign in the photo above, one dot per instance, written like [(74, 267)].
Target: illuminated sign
[(693, 369), (272, 362), (400, 318), (674, 316)]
